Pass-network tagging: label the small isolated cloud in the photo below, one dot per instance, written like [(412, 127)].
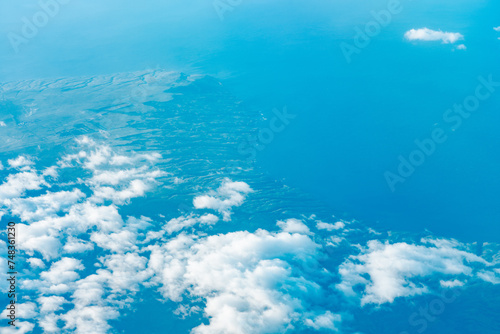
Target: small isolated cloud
[(496, 28), (461, 47), (2, 123), (451, 284), (330, 227), (426, 34)]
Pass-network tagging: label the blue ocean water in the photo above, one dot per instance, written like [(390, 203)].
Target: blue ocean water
[(355, 118), (263, 94)]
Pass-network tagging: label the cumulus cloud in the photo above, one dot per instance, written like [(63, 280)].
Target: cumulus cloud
[(53, 216), (426, 34), (294, 226), (328, 320), (21, 327), (496, 28), (36, 263), (386, 271), (45, 235), (17, 184), (75, 245), (51, 303), (117, 178), (34, 208), (330, 227), (64, 270), (62, 222), (89, 320), (20, 161), (228, 195), (248, 285), (23, 311)]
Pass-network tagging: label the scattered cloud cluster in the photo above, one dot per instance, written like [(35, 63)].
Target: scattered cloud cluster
[(87, 260), (62, 222)]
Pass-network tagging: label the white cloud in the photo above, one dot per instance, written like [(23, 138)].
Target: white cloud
[(334, 241), (492, 277), (330, 227), (228, 195), (35, 208), (56, 222), (45, 235), (324, 321), (496, 28), (75, 245), (51, 171), (21, 327), (17, 184), (243, 282), (293, 226), (63, 271), (426, 34), (451, 284), (387, 271), (23, 311), (36, 263), (47, 245), (461, 47), (117, 241), (51, 304), (136, 188), (20, 161), (180, 223), (241, 276), (125, 272), (90, 319), (94, 156)]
